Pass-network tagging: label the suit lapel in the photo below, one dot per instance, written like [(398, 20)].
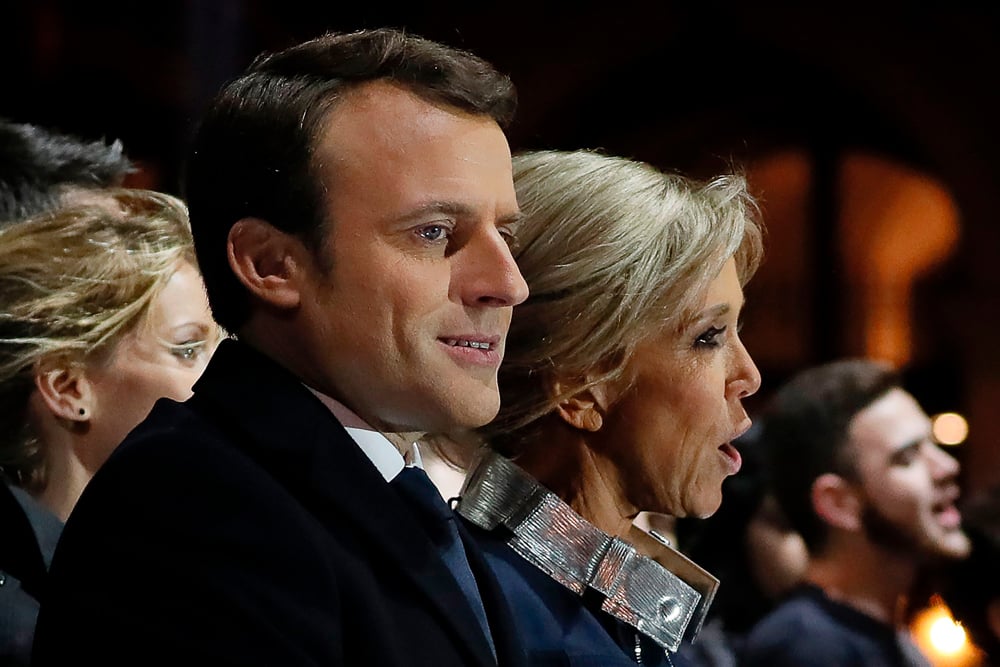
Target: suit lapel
[(506, 638), (285, 428)]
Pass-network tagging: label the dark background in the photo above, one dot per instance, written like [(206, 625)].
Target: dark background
[(694, 87)]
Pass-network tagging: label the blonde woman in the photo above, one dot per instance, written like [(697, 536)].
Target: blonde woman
[(621, 392), (102, 312)]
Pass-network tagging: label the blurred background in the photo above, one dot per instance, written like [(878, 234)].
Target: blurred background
[(869, 133)]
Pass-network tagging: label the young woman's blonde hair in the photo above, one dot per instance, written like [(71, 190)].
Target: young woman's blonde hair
[(73, 281), (613, 251)]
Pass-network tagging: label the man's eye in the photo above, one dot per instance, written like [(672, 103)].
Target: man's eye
[(433, 232), (510, 238)]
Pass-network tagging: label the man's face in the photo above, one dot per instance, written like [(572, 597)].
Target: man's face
[(408, 308), (908, 483)]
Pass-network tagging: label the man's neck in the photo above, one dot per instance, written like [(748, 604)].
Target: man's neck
[(872, 584), (403, 441)]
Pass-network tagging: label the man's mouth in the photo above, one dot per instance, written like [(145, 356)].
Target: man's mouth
[(465, 342), (947, 514)]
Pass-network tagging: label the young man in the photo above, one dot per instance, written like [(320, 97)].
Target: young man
[(352, 204), (873, 497)]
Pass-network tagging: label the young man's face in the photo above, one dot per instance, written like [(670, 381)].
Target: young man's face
[(909, 484), (410, 304)]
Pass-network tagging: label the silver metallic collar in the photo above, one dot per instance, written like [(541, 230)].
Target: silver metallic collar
[(664, 596)]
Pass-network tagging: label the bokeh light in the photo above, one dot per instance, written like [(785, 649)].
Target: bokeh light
[(942, 640), (947, 636), (950, 428)]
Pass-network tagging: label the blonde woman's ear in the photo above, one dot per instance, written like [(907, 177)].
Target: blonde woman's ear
[(66, 392), (584, 410)]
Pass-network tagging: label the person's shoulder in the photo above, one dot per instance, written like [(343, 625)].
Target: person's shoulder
[(795, 632), (18, 610), (46, 527), (174, 434), (175, 465), (800, 604), (28, 532)]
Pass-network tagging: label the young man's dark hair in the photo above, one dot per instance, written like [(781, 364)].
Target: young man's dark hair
[(38, 164)]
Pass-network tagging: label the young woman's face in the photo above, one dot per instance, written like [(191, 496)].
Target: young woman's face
[(668, 435), (162, 357)]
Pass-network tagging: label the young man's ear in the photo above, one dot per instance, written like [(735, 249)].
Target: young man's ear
[(268, 261), (837, 502), (584, 410), (66, 392)]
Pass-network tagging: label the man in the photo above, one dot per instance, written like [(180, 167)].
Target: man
[(859, 477), (38, 166), (352, 202)]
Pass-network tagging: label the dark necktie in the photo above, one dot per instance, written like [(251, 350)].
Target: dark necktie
[(440, 524)]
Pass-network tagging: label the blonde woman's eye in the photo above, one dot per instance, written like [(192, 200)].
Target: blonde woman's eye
[(709, 337), (188, 351)]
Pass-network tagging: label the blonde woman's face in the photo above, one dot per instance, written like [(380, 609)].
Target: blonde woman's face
[(668, 435), (162, 357)]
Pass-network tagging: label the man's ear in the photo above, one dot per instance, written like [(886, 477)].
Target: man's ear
[(268, 261), (837, 502), (66, 392), (584, 410)]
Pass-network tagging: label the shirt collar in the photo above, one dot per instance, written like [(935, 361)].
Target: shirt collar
[(382, 453)]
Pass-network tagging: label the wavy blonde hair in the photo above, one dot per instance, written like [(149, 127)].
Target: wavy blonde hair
[(613, 250), (73, 281)]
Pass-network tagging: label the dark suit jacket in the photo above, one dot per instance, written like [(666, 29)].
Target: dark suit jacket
[(245, 527), (28, 534)]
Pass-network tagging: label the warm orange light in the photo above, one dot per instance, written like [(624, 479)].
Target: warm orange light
[(947, 636), (950, 428), (942, 639)]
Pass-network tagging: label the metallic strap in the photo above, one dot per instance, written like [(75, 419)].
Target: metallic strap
[(637, 589)]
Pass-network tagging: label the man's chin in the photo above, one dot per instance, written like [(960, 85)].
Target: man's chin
[(469, 407), (955, 546)]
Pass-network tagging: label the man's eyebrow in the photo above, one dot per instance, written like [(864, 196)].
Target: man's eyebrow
[(902, 452), (455, 209), (436, 207)]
